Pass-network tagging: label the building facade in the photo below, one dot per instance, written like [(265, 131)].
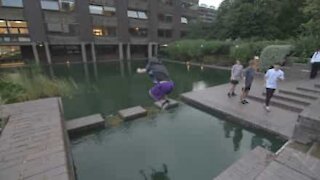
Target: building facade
[(59, 31), (206, 14)]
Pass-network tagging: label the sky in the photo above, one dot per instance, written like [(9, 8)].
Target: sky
[(214, 3)]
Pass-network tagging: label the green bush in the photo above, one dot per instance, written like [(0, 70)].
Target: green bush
[(274, 54), (26, 85), (306, 46)]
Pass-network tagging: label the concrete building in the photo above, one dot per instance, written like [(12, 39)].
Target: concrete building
[(60, 31), (206, 13)]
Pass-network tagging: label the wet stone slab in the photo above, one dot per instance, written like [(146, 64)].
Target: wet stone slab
[(132, 113), (85, 123), (172, 104)]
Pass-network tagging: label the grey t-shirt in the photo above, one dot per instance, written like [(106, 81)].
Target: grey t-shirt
[(249, 75), (236, 72)]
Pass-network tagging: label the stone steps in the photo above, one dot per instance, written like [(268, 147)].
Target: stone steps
[(296, 93), (291, 99), (310, 90), (279, 104), (317, 86), (85, 123)]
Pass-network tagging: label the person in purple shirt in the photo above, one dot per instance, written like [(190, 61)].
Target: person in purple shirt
[(159, 75)]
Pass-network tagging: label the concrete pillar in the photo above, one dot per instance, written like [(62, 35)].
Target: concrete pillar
[(128, 51), (95, 70), (83, 52), (35, 53), (149, 50), (156, 48), (121, 51), (93, 52), (48, 54)]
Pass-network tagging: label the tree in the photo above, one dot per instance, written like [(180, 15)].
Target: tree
[(312, 11)]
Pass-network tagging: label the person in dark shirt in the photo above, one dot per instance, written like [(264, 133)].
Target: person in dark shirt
[(249, 77), (159, 75)]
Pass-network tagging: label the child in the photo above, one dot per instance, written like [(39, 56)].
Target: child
[(159, 74), (249, 77), (272, 77), (236, 76)]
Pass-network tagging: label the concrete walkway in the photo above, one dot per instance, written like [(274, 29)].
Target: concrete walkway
[(33, 145), (215, 99)]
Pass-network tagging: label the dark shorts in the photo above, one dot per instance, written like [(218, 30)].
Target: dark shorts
[(247, 88), (159, 90), (234, 82)]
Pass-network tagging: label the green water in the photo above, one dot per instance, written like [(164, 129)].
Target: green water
[(182, 144), (108, 87)]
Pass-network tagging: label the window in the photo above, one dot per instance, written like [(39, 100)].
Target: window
[(94, 9), (109, 11), (138, 32), (12, 3), (104, 31), (50, 5), (57, 5), (168, 18), (137, 14), (184, 20), (165, 33), (67, 5), (62, 28), (13, 27)]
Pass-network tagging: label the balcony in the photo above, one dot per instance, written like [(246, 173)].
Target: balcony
[(138, 4), (104, 21), (56, 39)]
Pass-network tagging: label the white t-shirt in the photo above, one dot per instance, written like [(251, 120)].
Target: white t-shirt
[(315, 57), (272, 77)]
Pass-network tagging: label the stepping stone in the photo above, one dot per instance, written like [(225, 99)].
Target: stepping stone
[(171, 105), (85, 123), (132, 113)]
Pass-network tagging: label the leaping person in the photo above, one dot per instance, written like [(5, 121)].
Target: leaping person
[(159, 75)]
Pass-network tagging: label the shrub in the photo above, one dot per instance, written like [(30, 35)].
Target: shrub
[(273, 54), (306, 46), (29, 85)]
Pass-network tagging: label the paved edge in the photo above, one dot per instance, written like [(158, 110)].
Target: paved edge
[(229, 117)]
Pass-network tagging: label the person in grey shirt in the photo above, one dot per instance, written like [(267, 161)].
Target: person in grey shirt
[(236, 76), (249, 77)]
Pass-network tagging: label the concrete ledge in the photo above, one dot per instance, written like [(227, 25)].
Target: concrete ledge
[(85, 123), (249, 166), (172, 104), (132, 113)]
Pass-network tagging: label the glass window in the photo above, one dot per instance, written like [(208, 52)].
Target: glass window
[(165, 33), (97, 31), (14, 30), (109, 11), (3, 23), (184, 20), (24, 39), (50, 5), (54, 27), (67, 5), (17, 24), (23, 31), (132, 14), (142, 15), (138, 32), (110, 31), (94, 9), (3, 31), (12, 3)]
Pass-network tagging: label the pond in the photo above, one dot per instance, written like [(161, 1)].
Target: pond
[(183, 143)]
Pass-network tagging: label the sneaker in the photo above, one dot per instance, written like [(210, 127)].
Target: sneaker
[(229, 95), (245, 102), (267, 108), (233, 94), (165, 104)]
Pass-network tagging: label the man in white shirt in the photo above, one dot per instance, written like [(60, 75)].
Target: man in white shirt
[(315, 64), (272, 77)]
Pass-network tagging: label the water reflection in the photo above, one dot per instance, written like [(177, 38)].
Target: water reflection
[(200, 85), (228, 128), (156, 174), (237, 137)]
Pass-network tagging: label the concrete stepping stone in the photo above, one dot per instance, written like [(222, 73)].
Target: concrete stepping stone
[(85, 123), (132, 113), (172, 104)]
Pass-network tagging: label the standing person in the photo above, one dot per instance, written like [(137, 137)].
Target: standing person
[(315, 64), (236, 76), (249, 77), (159, 75), (272, 77)]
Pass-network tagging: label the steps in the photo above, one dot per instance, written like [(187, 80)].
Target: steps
[(297, 93), (310, 90), (291, 99), (280, 104), (317, 86)]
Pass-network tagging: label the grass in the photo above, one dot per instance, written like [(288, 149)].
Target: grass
[(31, 84)]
